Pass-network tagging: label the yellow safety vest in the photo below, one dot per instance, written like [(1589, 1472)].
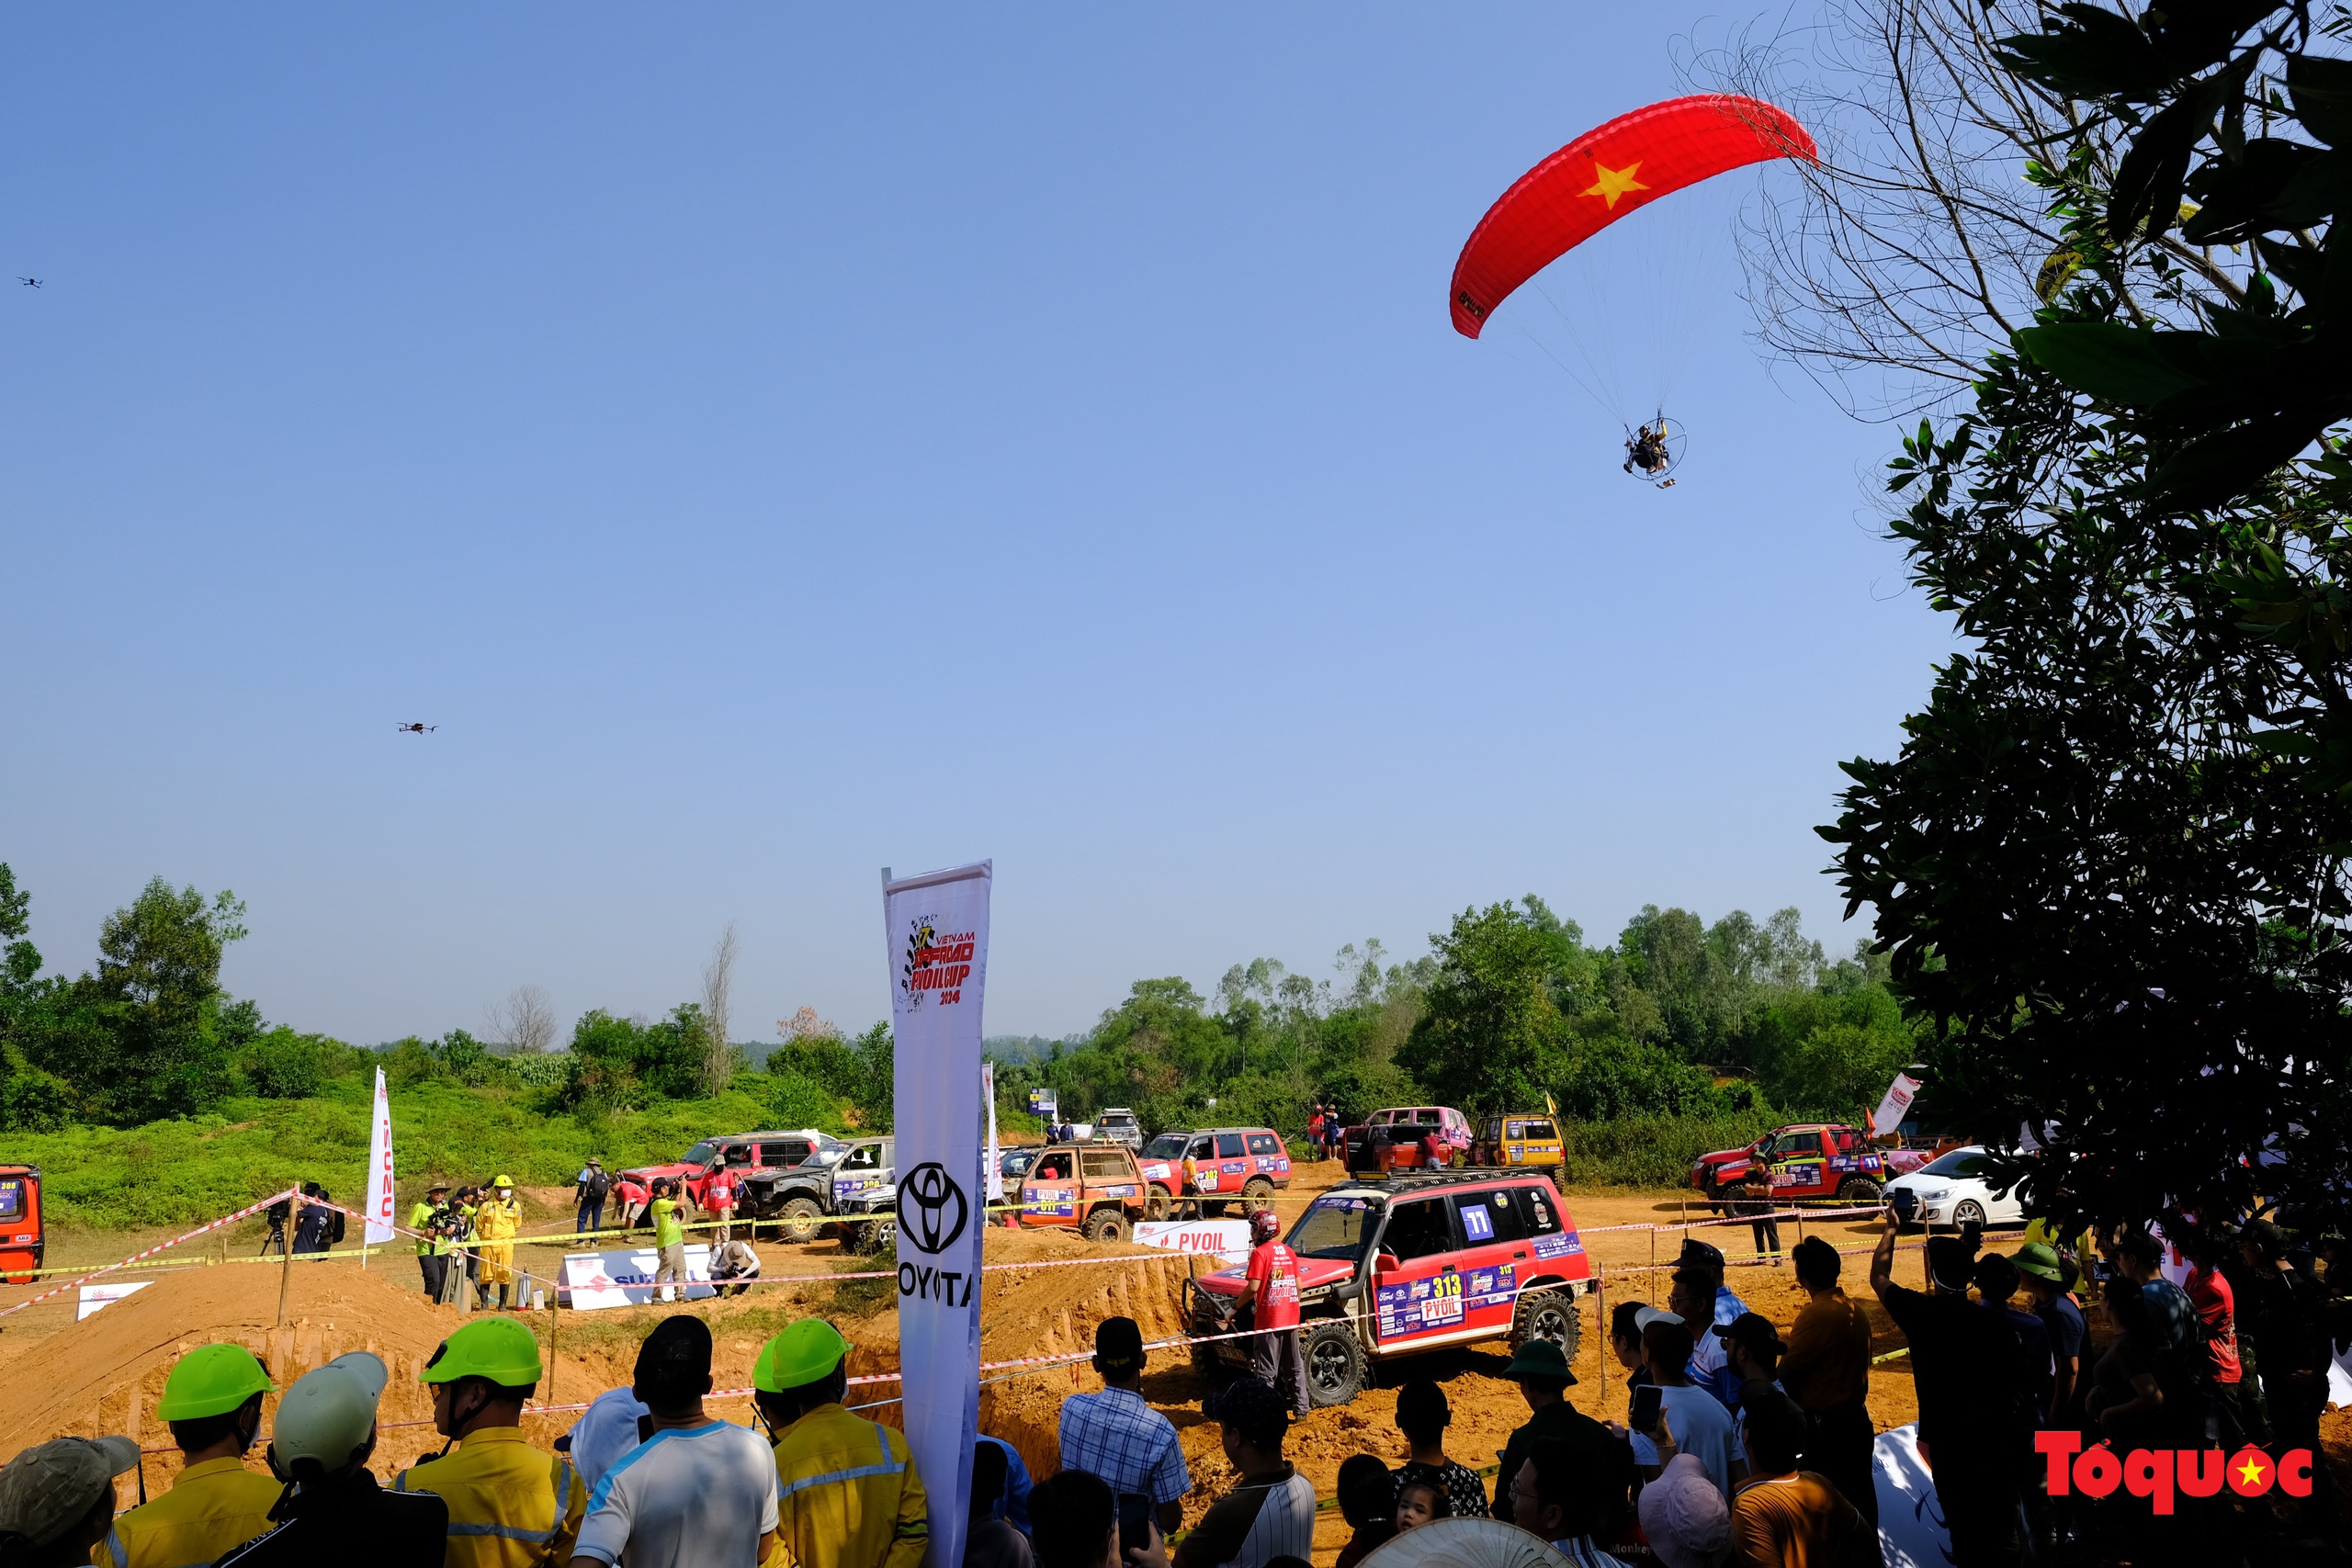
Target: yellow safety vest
[(212, 1507), (503, 1501), (418, 1218), (847, 1494)]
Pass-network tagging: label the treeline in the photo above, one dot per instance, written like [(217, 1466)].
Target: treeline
[(151, 1035), (1676, 1020), (1675, 1033)]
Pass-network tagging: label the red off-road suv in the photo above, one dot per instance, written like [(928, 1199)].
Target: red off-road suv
[(1807, 1159), (742, 1155), (1416, 1263)]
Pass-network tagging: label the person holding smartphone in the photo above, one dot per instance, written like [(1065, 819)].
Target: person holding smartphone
[(1672, 1415)]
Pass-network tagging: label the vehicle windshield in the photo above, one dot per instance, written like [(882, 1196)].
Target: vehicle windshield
[(825, 1156), (1015, 1161), (1336, 1225), (1960, 1162), (1118, 1118), (701, 1153), (1168, 1145)]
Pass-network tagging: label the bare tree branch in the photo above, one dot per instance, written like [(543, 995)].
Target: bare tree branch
[(524, 1023), (718, 996)]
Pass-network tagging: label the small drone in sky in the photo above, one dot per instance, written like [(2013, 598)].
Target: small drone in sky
[(413, 729), (30, 282)]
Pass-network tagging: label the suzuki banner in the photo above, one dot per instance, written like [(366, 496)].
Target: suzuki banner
[(937, 933), (1895, 1106), (379, 1170)]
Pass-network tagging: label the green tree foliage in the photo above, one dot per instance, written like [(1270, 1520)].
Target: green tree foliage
[(624, 1063), (1491, 1036), (2110, 860)]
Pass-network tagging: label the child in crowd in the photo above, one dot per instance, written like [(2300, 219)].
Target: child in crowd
[(1367, 1501), (1418, 1501)]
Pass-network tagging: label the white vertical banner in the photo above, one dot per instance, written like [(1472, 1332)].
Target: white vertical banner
[(379, 1168), (937, 933), (1895, 1106), (992, 1176)]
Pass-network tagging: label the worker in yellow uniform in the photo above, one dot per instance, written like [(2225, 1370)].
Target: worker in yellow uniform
[(847, 1494), (510, 1505), (212, 1401), (498, 1222)]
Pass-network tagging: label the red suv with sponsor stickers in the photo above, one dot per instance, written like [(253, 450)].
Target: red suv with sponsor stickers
[(1093, 1188), (1412, 1265), (1205, 1167), (1808, 1159)]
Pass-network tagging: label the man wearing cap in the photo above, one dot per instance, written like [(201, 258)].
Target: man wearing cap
[(849, 1497), (213, 1403), (431, 1257), (1116, 1435), (591, 1186), (698, 1492), (1274, 1277), (332, 1509), (498, 1221), (1270, 1513), (1827, 1371), (2044, 1281), (1544, 1379), (1706, 1305), (510, 1506), (1964, 1362), (58, 1498)]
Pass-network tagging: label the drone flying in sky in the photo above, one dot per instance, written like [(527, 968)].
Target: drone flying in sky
[(413, 729)]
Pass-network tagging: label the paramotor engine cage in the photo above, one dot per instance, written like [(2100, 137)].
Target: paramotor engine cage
[(1655, 451)]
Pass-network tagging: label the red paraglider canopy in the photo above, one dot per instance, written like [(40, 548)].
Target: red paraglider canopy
[(1604, 175)]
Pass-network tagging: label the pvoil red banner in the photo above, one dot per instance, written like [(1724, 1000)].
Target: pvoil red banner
[(937, 930)]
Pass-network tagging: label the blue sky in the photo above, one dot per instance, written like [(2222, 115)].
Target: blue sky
[(775, 445)]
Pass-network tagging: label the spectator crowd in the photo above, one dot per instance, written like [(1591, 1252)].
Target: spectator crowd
[(1737, 1447)]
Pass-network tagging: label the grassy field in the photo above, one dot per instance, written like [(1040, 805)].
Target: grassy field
[(184, 1172)]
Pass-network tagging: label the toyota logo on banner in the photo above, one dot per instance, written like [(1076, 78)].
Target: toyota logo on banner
[(933, 1209)]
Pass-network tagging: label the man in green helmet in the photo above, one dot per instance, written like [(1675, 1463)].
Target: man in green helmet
[(510, 1506), (213, 1403), (847, 1493)]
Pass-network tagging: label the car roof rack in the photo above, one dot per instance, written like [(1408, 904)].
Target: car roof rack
[(1406, 1182)]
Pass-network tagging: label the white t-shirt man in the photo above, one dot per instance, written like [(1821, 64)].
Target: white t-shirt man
[(1702, 1428), (691, 1497)]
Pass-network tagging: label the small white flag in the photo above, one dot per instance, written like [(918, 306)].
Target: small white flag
[(994, 1182), (1895, 1106), (379, 1167)]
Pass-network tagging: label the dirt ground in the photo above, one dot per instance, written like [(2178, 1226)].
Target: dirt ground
[(105, 1373)]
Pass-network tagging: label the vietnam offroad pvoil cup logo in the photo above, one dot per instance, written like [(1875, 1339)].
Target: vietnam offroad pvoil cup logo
[(936, 965)]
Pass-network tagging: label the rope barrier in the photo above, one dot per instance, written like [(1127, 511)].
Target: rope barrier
[(159, 1246)]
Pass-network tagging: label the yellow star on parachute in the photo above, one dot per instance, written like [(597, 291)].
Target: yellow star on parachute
[(2251, 1469), (1609, 183)]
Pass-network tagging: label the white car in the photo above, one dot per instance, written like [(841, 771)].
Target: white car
[(1952, 1191)]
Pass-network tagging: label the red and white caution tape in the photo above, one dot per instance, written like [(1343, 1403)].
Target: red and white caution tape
[(160, 1247)]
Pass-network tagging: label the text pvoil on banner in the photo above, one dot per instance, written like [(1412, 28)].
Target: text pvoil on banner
[(937, 936)]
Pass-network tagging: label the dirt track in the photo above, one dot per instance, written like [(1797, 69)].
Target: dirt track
[(104, 1374)]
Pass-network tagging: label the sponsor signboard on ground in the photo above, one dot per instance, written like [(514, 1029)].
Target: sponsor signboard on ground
[(626, 1277), (1225, 1239), (96, 1296)]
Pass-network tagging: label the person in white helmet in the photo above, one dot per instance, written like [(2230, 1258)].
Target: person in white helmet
[(332, 1509)]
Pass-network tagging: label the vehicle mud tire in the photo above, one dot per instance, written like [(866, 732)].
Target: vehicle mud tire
[(1255, 1194), (1336, 1368), (1159, 1203), (1861, 1190), (1104, 1224), (876, 1236), (800, 1220), (1967, 1212), (1547, 1315)]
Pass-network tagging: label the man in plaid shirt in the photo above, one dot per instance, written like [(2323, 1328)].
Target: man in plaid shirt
[(1114, 1435)]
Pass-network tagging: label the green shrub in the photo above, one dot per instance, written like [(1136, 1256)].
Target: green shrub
[(1656, 1151), (797, 1101), (283, 1064)]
